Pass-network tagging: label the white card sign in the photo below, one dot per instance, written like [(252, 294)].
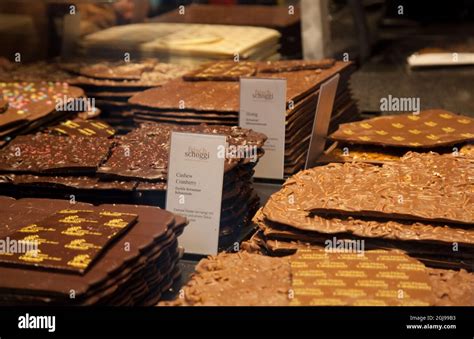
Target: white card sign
[(263, 109), (195, 179), (327, 94)]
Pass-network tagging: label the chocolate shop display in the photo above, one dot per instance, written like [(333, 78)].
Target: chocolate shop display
[(422, 204), (211, 95), (80, 254), (314, 277), (126, 169)]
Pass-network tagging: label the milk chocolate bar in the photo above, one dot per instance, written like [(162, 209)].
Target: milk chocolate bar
[(373, 278), (294, 65), (418, 187), (222, 71), (426, 129), (242, 279), (53, 154)]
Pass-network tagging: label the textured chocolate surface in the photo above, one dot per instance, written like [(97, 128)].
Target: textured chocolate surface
[(430, 128), (452, 288), (33, 72), (144, 152), (49, 153), (145, 74), (223, 71), (294, 65), (418, 187), (78, 127), (238, 279), (374, 278)]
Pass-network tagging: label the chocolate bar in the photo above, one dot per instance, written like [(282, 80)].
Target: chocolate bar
[(69, 239), (426, 129), (222, 71), (243, 279), (418, 187), (374, 278), (143, 153), (294, 65)]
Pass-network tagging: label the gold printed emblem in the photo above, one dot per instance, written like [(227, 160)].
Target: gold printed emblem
[(364, 138), (448, 129), (414, 131), (365, 125), (467, 135), (397, 125), (33, 228), (118, 223), (446, 116), (398, 138), (75, 219), (430, 123), (78, 231), (68, 211), (348, 132), (432, 137), (464, 121), (81, 244), (381, 132), (80, 261), (36, 238), (115, 214), (413, 117), (70, 124), (36, 256), (415, 144)]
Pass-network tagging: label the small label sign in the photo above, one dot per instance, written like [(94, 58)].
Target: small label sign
[(195, 179), (263, 109), (327, 94)]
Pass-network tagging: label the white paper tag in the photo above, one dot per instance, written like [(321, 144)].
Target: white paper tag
[(327, 94), (263, 109), (195, 179)]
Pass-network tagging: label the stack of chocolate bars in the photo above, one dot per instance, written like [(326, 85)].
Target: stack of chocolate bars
[(211, 95), (387, 138), (314, 277), (190, 44), (58, 253), (128, 169), (111, 84), (27, 106), (422, 204)]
